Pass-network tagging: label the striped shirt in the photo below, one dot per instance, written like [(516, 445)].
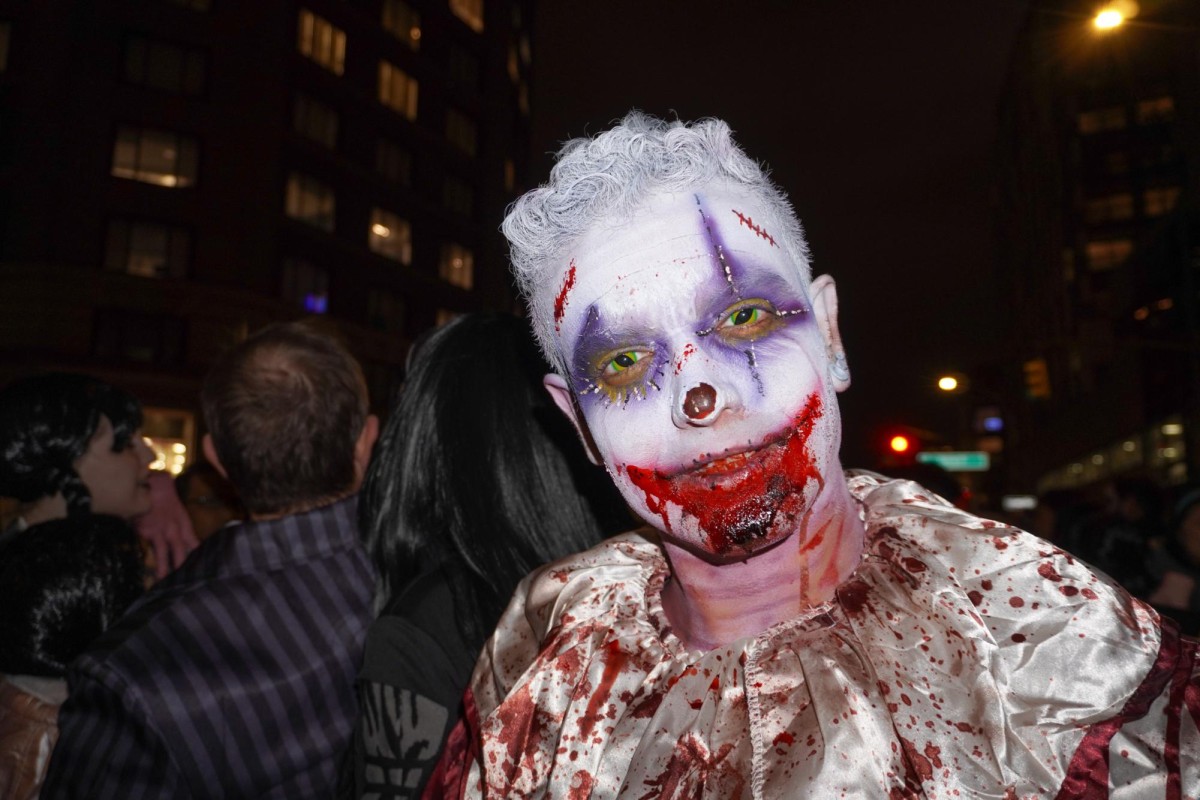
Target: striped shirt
[(232, 677)]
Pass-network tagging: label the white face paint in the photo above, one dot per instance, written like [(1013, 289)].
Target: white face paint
[(701, 369)]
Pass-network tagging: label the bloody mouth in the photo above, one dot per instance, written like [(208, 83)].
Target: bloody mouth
[(741, 498)]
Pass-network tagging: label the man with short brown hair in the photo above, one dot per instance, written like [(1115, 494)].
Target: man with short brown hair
[(234, 676)]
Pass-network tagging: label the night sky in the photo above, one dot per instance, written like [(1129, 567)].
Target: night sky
[(878, 117)]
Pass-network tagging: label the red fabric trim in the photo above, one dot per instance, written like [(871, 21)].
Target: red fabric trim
[(1087, 776), (1175, 705), (1191, 695), (463, 748)]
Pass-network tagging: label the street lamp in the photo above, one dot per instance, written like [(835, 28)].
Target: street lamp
[(947, 383), (1114, 15), (1108, 18)]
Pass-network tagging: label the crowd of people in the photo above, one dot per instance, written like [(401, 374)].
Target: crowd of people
[(1144, 536), (605, 551)]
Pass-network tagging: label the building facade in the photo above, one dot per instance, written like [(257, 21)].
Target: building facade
[(177, 173), (1098, 175)]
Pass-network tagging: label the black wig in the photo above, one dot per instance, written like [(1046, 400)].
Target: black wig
[(46, 423), (65, 582)]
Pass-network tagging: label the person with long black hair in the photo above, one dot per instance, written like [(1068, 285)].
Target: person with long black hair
[(476, 481)]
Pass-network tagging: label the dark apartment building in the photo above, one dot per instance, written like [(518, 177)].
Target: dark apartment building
[(176, 173), (1099, 244)]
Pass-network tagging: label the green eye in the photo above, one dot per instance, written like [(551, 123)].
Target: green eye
[(621, 374), (748, 320), (745, 316), (624, 361)]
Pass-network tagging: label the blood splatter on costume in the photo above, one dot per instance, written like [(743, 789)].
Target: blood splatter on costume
[(962, 658)]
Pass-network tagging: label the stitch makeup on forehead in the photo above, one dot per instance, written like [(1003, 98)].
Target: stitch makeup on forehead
[(740, 304)]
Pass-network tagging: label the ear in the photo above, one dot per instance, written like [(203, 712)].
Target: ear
[(210, 452), (564, 398), (364, 446), (825, 306)]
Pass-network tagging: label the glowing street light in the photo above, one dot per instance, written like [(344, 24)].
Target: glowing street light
[(947, 383), (1115, 14), (1108, 18), (899, 444)]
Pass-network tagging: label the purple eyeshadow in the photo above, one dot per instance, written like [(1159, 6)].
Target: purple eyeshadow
[(730, 281)]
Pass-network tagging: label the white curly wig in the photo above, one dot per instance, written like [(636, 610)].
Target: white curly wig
[(607, 178)]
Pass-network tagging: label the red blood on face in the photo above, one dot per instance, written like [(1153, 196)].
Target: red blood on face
[(688, 351), (560, 302), (734, 512)]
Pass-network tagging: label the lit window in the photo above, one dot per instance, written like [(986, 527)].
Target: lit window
[(1108, 253), (5, 36), (314, 120), (164, 66), (171, 435), (385, 311), (457, 265), (470, 12), (1102, 119), (311, 201), (1160, 109), (463, 69), (1111, 208), (305, 286), (147, 249), (393, 162), (397, 90), (318, 39), (461, 131), (1157, 202), (158, 157), (402, 21), (390, 236)]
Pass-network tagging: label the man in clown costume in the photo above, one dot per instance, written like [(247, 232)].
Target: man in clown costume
[(781, 627)]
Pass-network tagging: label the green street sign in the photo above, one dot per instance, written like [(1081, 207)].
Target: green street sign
[(957, 460)]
